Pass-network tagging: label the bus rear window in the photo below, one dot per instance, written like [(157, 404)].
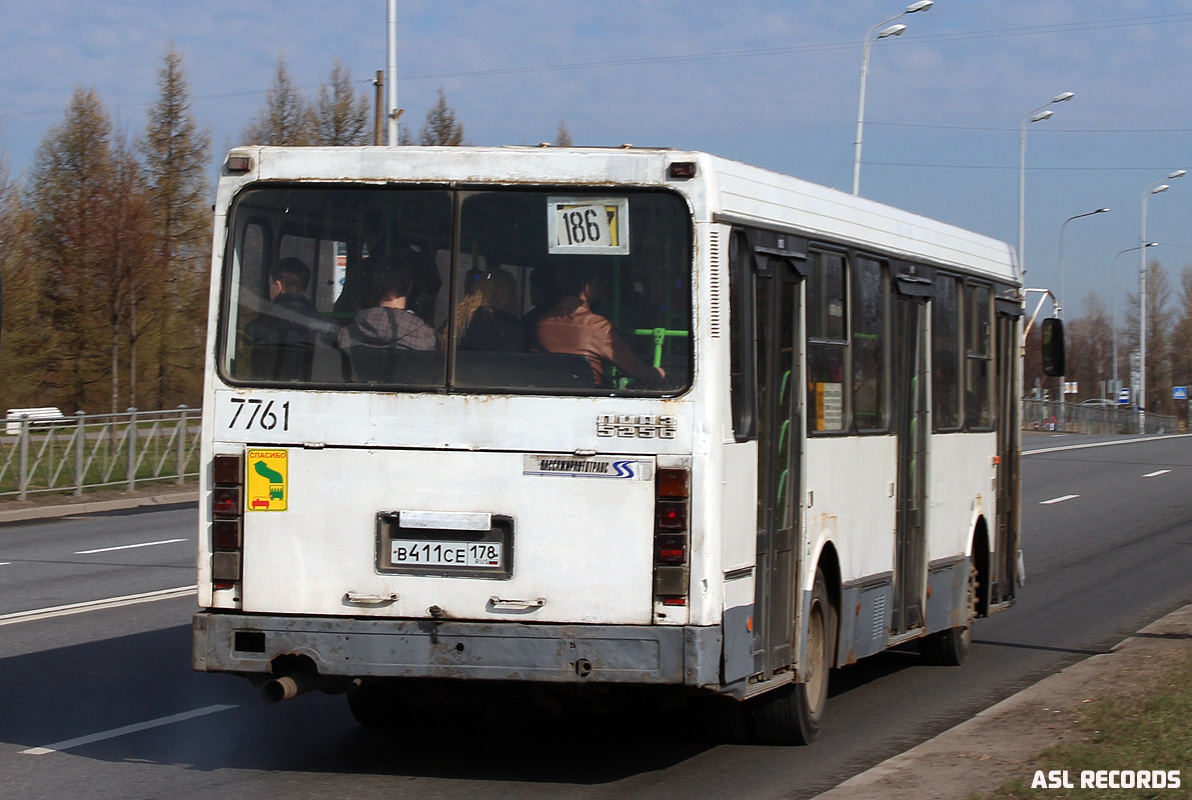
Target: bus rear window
[(552, 291)]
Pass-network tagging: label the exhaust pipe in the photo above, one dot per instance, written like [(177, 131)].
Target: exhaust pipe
[(274, 690)]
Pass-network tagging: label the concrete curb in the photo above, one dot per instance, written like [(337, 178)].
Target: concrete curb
[(978, 756), (119, 504)]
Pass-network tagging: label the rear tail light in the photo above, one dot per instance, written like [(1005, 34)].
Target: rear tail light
[(227, 520), (671, 535)]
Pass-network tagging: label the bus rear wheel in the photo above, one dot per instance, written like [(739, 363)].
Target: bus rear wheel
[(793, 713), (950, 648)]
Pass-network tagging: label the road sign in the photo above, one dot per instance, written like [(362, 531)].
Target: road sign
[(1124, 397), (1179, 392)]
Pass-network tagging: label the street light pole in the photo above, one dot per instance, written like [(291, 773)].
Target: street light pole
[(893, 30), (1113, 281), (1154, 188), (1035, 115), (1060, 306), (392, 68)]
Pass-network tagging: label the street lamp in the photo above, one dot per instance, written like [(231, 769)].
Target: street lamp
[(893, 30), (1154, 188), (1113, 280), (1060, 308), (1035, 115)]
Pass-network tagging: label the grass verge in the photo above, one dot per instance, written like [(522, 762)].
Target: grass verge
[(1144, 726)]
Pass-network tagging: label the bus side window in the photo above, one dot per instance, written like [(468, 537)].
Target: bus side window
[(827, 344), (870, 345), (978, 409), (945, 353)]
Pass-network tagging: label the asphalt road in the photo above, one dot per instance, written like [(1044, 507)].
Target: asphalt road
[(106, 701)]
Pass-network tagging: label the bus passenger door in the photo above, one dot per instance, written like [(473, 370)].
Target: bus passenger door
[(779, 438), (1004, 569), (910, 393)]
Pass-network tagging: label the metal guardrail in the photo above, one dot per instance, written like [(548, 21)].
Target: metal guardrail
[(1047, 415), (92, 451)]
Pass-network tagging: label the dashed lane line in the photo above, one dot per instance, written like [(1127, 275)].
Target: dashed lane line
[(1156, 473), (127, 547), (1059, 499), (124, 731)]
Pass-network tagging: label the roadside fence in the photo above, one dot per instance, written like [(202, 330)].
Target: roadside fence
[(91, 451), (1047, 415)]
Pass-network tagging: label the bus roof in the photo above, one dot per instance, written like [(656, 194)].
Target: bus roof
[(722, 190)]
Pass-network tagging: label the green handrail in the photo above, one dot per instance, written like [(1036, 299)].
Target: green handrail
[(660, 335)]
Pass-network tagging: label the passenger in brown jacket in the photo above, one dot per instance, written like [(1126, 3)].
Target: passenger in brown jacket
[(572, 327)]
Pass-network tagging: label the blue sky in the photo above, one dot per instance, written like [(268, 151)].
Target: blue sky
[(769, 82)]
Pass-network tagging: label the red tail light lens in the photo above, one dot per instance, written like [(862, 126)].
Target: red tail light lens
[(225, 500), (672, 516), (227, 470), (671, 536), (225, 534), (672, 483), (671, 548), (227, 524)]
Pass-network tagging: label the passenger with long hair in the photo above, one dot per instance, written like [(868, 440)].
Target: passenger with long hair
[(487, 318)]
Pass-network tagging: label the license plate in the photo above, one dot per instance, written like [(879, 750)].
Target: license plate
[(437, 553)]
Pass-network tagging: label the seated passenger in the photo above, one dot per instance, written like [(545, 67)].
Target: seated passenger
[(391, 324), (486, 319), (543, 296), (572, 327)]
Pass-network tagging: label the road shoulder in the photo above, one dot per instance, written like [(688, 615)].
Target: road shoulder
[(998, 744), (91, 504)]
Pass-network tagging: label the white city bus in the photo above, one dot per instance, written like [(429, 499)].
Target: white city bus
[(784, 438)]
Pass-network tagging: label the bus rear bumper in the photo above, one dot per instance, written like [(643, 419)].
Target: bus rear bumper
[(247, 644)]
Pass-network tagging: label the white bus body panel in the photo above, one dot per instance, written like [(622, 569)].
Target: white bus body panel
[(962, 489), (581, 546), (849, 500)]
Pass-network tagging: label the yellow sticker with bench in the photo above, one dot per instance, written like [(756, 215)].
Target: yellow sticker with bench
[(268, 479)]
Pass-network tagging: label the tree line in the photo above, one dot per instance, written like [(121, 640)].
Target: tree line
[(105, 254), (105, 243), (1090, 348)]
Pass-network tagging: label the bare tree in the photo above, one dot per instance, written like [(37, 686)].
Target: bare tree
[(442, 127), (1160, 325), (563, 136), (24, 332), (340, 115), (176, 154), (285, 120), (66, 196)]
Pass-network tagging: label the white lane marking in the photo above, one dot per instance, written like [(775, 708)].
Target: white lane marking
[(1059, 499), (1156, 473), (1135, 440), (127, 729), (127, 547), (4, 563), (94, 605)]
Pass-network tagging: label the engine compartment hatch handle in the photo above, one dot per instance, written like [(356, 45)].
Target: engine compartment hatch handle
[(365, 599), (500, 604)]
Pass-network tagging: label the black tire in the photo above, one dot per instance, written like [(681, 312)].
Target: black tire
[(375, 706), (792, 714), (950, 648)]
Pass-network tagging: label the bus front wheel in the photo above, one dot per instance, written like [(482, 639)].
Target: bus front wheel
[(793, 713)]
